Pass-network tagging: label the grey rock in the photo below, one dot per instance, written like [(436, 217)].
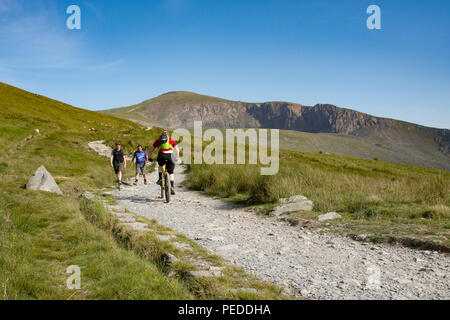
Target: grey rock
[(205, 273), (182, 246), (139, 226), (127, 219), (306, 205), (360, 237), (329, 216), (213, 268), (163, 237), (249, 290), (297, 198), (168, 258), (43, 180)]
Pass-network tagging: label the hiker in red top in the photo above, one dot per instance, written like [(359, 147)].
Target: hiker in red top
[(166, 146)]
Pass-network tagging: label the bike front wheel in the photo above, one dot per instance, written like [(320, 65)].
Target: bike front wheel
[(167, 192)]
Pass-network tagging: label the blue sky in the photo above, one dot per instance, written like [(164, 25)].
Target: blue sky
[(315, 51)]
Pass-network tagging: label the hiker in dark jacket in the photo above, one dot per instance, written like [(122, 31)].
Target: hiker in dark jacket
[(118, 162)]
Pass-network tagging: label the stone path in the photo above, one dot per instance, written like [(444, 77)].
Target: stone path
[(311, 264), (314, 265)]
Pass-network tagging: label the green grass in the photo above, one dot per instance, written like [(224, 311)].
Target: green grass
[(42, 234), (387, 201)]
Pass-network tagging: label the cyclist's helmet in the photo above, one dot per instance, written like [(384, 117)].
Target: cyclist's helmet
[(163, 139)]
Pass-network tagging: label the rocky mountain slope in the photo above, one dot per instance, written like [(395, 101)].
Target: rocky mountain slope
[(425, 146)]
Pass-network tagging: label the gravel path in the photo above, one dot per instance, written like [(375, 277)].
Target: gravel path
[(325, 266)]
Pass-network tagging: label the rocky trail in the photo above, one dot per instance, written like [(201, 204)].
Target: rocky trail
[(304, 261)]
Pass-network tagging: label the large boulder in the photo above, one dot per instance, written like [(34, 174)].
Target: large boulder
[(43, 180), (292, 204), (329, 216)]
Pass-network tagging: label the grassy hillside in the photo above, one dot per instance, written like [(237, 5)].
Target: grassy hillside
[(383, 200), (397, 145), (41, 234)]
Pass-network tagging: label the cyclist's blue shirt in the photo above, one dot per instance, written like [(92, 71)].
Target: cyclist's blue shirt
[(140, 157)]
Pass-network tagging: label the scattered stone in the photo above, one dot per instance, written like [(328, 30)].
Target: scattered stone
[(163, 237), (205, 273), (329, 216), (168, 259), (182, 246), (29, 138), (37, 131), (213, 268), (360, 237), (297, 198), (305, 205), (139, 226), (89, 195), (304, 292), (127, 219), (43, 180)]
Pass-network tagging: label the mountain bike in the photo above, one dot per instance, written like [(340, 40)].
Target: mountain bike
[(165, 184)]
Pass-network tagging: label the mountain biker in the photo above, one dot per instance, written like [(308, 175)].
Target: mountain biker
[(141, 158), (118, 162), (165, 146)]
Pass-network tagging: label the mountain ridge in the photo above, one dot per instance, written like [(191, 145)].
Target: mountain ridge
[(182, 108)]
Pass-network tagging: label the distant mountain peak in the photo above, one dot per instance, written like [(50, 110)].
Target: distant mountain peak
[(179, 109)]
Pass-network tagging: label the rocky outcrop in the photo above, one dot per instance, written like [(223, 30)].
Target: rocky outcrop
[(43, 180), (320, 118), (442, 138), (181, 109)]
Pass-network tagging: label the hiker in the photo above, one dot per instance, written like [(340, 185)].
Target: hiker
[(141, 158), (118, 162), (165, 146)]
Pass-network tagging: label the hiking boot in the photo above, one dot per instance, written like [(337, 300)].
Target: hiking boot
[(135, 182), (172, 191), (159, 182), (145, 182)]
